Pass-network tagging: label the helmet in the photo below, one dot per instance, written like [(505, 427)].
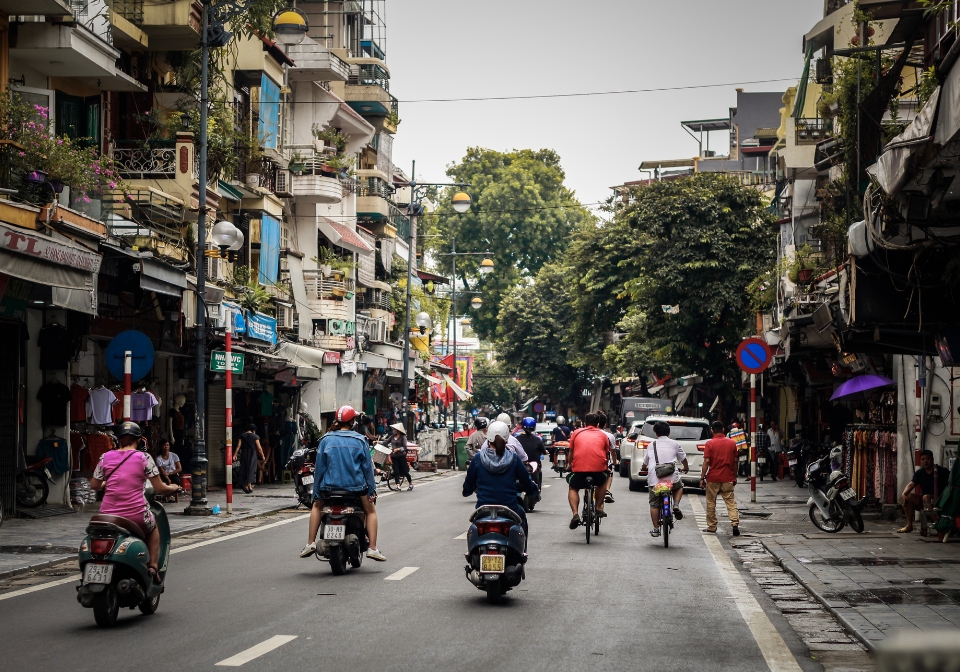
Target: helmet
[(529, 423), (504, 418), (346, 414), (496, 429), (128, 429), (561, 419), (480, 423)]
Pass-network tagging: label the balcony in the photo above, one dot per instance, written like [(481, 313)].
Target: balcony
[(147, 218), (35, 7), (173, 26), (315, 63), (812, 131), (325, 296), (126, 18), (140, 163), (315, 186), (368, 89), (375, 299)]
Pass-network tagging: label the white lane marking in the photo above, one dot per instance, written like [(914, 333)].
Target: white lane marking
[(547, 485), (228, 537), (402, 574), (41, 586), (772, 646), (256, 651), (462, 536)]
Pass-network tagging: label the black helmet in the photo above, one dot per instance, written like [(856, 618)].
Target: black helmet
[(128, 429), (480, 423)]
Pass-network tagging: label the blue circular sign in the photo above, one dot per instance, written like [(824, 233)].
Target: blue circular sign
[(753, 355), (141, 348)]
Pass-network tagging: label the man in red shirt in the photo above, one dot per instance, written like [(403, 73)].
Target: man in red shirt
[(719, 477), (588, 456)]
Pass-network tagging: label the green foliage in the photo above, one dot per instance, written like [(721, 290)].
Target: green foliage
[(493, 384), (696, 243), (521, 212), (927, 84), (331, 136), (255, 298)]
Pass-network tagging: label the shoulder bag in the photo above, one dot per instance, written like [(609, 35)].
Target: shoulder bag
[(662, 470)]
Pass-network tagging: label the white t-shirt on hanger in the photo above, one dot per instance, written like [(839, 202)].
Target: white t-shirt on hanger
[(100, 406)]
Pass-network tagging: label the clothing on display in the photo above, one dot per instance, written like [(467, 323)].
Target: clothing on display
[(55, 347), (117, 407), (266, 404), (88, 447), (870, 461), (78, 403), (141, 405), (100, 405), (53, 396), (56, 449)]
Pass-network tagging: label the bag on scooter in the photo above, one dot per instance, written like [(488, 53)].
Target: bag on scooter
[(662, 470)]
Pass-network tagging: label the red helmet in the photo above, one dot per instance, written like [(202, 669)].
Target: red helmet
[(346, 414)]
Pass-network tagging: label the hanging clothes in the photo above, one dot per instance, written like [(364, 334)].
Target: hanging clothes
[(54, 397), (100, 405), (56, 449), (55, 347), (78, 403)]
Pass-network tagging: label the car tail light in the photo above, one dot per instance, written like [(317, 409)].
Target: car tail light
[(101, 546), (701, 446), (493, 527)]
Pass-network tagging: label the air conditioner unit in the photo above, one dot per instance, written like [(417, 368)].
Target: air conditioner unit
[(377, 331), (284, 317), (214, 268), (283, 185)]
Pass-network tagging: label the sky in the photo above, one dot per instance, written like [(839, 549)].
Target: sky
[(460, 49)]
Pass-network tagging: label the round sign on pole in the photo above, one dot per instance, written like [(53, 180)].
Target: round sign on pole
[(538, 407), (753, 355), (141, 348)]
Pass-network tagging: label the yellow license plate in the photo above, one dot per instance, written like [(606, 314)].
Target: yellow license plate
[(493, 564)]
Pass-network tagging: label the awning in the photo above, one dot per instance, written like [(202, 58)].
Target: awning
[(428, 377), (427, 276), (49, 261), (373, 360), (461, 393), (344, 236), (228, 191), (527, 403), (893, 167), (301, 355), (682, 398), (162, 279), (295, 266)]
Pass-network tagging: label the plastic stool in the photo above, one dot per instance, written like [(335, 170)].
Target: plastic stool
[(286, 477)]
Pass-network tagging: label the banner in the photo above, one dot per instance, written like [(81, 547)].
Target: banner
[(233, 312), (262, 327), (464, 373)]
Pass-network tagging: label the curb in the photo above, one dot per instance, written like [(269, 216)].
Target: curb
[(219, 522)]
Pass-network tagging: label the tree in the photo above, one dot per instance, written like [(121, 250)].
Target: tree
[(694, 244), (521, 212), (493, 385), (533, 335)]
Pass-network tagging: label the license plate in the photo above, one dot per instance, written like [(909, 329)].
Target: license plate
[(493, 564), (761, 460), (792, 463), (849, 493), (306, 480), (97, 573), (334, 532), (743, 458)]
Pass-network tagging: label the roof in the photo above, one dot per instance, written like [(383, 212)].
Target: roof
[(670, 163), (426, 275), (344, 236), (757, 149), (274, 50), (707, 125)]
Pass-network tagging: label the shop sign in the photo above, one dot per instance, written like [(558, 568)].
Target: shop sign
[(262, 327), (331, 357), (48, 249), (361, 366), (233, 312), (395, 364), (218, 361)]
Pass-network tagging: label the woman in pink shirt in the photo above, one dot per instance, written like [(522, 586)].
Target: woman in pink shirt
[(122, 474)]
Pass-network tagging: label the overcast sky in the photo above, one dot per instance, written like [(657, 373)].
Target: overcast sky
[(457, 49)]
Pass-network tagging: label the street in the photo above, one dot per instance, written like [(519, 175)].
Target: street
[(623, 602)]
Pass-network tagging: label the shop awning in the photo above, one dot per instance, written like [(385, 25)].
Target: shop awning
[(374, 361), (428, 377), (461, 393), (47, 261), (301, 355), (682, 398), (343, 236), (228, 191), (162, 279)]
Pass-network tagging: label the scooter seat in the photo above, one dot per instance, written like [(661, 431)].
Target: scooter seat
[(130, 526)]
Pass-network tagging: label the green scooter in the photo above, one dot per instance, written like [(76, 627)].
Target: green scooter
[(113, 564)]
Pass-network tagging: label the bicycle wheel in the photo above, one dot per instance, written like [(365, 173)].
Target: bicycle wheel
[(665, 534), (588, 511), (596, 526)]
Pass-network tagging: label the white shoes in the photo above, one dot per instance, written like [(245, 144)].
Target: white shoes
[(375, 554), (308, 550)]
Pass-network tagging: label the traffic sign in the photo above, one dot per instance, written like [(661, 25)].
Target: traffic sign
[(753, 355), (218, 361), (538, 407), (142, 354)]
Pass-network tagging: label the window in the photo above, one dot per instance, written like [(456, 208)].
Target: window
[(679, 431), (41, 97), (78, 118)]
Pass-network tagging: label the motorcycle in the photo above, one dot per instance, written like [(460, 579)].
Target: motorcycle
[(31, 482), (527, 501), (343, 526), (496, 546), (302, 464), (560, 459), (743, 462), (833, 503), (113, 565), (765, 463)]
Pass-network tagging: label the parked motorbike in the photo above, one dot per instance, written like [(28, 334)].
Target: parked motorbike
[(302, 464), (560, 459), (113, 564), (743, 462), (765, 463), (32, 482), (833, 503), (528, 501), (496, 546), (344, 532)]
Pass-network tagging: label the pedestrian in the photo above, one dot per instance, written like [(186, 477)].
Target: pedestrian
[(763, 451), (368, 430), (401, 468), (924, 489), (250, 454), (720, 477)]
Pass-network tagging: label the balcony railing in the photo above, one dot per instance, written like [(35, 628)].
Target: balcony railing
[(147, 162), (370, 75), (349, 185), (376, 299), (400, 222), (373, 186), (131, 10), (812, 131)]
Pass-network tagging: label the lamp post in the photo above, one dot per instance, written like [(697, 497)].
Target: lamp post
[(215, 35)]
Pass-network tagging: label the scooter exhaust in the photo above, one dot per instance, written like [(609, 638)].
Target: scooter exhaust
[(132, 588)]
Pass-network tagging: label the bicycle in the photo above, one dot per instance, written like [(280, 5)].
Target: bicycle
[(666, 516), (386, 478), (589, 518)]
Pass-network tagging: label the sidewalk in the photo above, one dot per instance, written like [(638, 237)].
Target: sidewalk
[(875, 583), (28, 545)]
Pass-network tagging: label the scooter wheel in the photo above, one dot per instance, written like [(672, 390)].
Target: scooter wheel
[(338, 560), (149, 605), (493, 592), (106, 606)]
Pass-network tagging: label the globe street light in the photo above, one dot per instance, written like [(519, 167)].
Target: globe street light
[(224, 235), (290, 26), (461, 202), (486, 266), (476, 302), (424, 322)]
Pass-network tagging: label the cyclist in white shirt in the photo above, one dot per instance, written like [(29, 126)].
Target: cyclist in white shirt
[(664, 450)]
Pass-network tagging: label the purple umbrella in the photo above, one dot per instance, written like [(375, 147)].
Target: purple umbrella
[(861, 384)]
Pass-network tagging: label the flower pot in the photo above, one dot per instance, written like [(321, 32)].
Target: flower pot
[(342, 293), (326, 270), (318, 145), (297, 168), (36, 176), (338, 273), (328, 170), (252, 180), (805, 275)]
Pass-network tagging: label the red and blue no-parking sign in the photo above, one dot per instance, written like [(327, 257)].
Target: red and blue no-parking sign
[(753, 355)]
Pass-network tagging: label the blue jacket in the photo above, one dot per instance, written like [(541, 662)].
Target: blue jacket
[(494, 478), (343, 463)]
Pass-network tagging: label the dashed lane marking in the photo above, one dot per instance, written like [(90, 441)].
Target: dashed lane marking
[(260, 649), (772, 646), (402, 574), (228, 537), (462, 536)]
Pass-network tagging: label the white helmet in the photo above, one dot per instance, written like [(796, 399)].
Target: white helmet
[(504, 418), (497, 428), (561, 419)]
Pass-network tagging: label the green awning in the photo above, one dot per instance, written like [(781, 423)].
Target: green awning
[(802, 88), (228, 191)]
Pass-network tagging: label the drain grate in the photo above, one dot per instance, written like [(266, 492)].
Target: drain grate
[(45, 511)]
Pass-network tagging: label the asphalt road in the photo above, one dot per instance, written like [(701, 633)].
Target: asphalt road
[(622, 603)]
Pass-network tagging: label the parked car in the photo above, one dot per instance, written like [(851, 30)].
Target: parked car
[(692, 435), (545, 430), (627, 446)]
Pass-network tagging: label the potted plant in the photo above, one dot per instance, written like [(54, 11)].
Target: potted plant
[(297, 163), (324, 260), (252, 146)]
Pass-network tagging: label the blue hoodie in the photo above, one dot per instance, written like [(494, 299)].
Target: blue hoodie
[(343, 463), (494, 478)]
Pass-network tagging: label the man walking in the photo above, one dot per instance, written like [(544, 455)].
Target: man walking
[(719, 477)]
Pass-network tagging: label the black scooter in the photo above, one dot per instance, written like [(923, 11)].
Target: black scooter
[(302, 464), (495, 551), (343, 530)]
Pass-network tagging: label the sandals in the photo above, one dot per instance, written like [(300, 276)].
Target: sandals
[(575, 521), (905, 530), (155, 573)]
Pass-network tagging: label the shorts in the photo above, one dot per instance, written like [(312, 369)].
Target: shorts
[(149, 521), (655, 498), (578, 481)]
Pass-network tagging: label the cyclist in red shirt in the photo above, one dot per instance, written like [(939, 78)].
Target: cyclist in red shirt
[(589, 454), (719, 477)]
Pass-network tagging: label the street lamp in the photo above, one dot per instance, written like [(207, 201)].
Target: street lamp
[(290, 26), (476, 302), (424, 322), (213, 34), (461, 202), (225, 235), (486, 267)]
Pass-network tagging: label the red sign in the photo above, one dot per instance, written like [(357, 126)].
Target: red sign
[(753, 355), (48, 249), (331, 358)]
